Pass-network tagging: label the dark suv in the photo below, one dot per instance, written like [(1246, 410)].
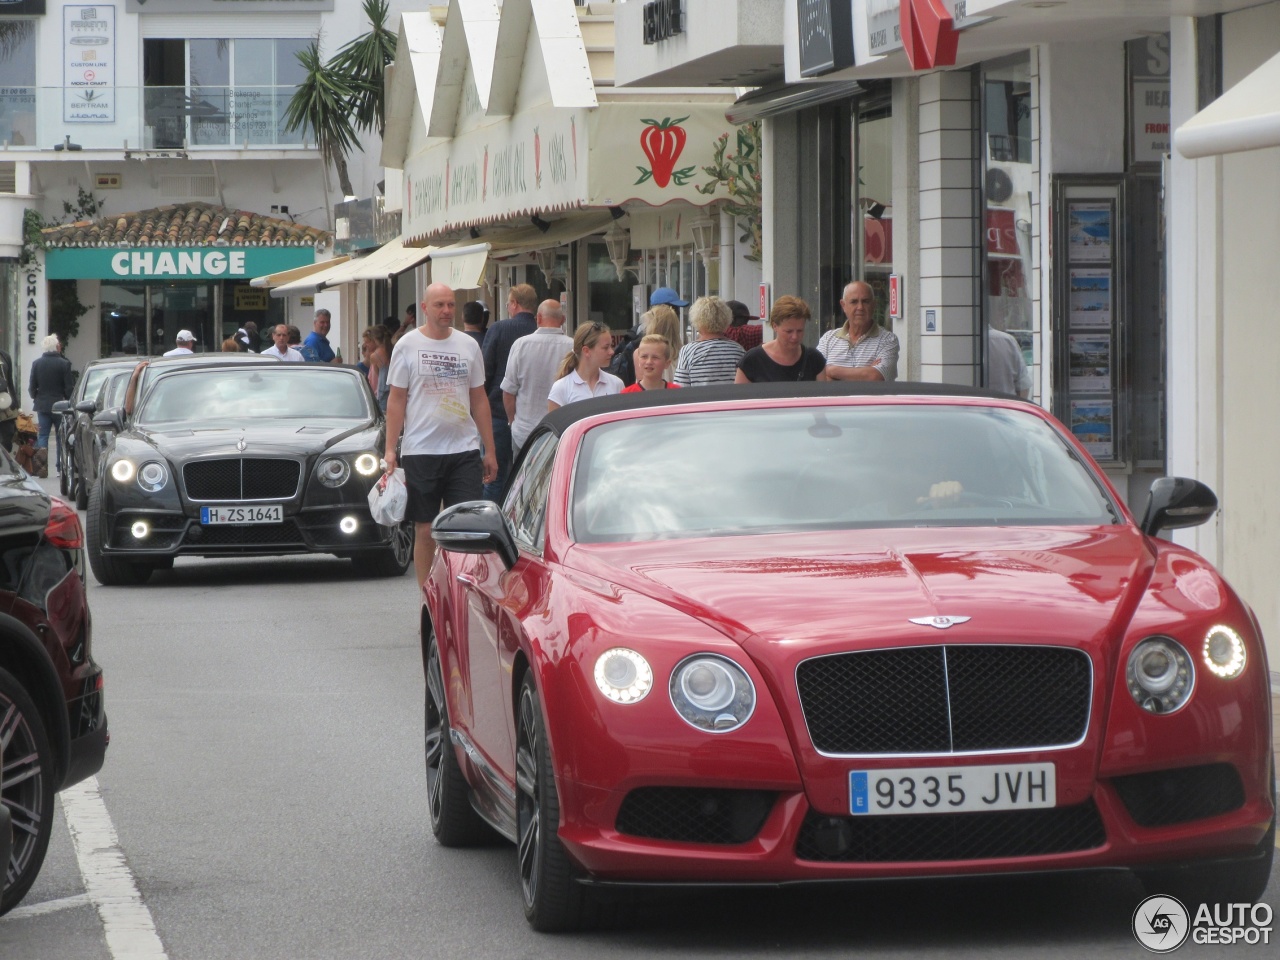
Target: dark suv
[(53, 727)]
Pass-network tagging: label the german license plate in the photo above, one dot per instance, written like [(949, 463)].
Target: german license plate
[(268, 513), (1009, 786)]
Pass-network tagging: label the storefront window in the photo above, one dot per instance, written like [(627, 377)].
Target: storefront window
[(18, 82), (219, 92), (1010, 190), (608, 298), (873, 209), (124, 319)]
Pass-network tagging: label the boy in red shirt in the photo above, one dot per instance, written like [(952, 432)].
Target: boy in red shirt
[(651, 358)]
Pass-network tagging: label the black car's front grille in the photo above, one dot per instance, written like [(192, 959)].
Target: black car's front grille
[(1179, 796), (950, 836), (945, 699), (237, 478), (694, 814), (249, 535)]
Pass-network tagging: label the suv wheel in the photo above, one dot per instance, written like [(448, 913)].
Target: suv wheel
[(26, 787)]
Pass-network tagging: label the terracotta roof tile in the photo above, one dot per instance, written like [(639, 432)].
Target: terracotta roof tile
[(185, 225)]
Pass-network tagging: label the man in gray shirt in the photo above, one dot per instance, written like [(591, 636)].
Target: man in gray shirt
[(531, 369)]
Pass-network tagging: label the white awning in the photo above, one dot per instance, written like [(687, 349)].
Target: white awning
[(1246, 117), (297, 273), (461, 265), (385, 262)]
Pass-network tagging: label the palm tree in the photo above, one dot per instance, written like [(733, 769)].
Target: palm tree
[(322, 107), (363, 62)]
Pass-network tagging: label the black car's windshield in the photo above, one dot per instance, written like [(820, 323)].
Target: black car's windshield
[(255, 393), (765, 470)]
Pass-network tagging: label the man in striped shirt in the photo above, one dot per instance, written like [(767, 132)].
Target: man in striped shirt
[(861, 349)]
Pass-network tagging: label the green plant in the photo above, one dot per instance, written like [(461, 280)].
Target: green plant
[(363, 62), (322, 106), (739, 174), (65, 309)]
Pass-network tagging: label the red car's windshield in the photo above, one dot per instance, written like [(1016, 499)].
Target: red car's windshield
[(721, 473)]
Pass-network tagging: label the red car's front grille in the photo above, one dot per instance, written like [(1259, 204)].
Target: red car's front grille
[(946, 699), (950, 836)]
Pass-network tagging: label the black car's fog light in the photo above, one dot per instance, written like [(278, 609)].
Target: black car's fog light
[(140, 530), (348, 524), (195, 532)]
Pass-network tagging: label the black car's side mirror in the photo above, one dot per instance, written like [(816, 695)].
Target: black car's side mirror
[(62, 406), (111, 419), (87, 406), (1177, 502), (476, 526)]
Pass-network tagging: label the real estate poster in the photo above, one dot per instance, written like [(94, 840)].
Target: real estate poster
[(1089, 232), (1089, 360), (89, 63), (1090, 298), (1092, 423)]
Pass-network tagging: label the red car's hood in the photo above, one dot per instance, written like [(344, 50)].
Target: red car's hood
[(866, 585)]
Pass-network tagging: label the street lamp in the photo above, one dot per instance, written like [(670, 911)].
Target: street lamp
[(617, 242), (706, 232)]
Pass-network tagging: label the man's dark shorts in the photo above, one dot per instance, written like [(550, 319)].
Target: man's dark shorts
[(435, 478)]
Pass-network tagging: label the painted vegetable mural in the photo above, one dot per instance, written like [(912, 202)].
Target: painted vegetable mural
[(662, 142)]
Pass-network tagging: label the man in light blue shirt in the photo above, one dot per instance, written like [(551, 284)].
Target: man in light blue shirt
[(317, 343)]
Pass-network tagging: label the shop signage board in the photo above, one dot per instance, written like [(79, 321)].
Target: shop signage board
[(878, 24), (1149, 130), (89, 63), (165, 264), (895, 296), (826, 36), (548, 160)]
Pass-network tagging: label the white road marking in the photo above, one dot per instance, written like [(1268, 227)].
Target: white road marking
[(109, 884), (49, 906)]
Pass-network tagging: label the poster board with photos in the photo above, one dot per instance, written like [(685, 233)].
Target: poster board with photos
[(1089, 314)]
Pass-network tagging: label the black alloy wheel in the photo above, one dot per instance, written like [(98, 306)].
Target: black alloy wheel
[(453, 820), (395, 559), (27, 774), (553, 900)]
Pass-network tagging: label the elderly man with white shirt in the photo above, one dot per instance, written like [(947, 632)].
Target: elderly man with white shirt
[(531, 370)]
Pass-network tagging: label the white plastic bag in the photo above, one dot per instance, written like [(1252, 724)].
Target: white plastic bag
[(388, 498)]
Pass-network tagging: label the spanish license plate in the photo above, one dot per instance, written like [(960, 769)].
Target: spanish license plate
[(1010, 786), (268, 513)]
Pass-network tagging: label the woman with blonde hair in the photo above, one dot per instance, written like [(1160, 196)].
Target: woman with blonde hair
[(785, 358), (582, 374), (712, 357)]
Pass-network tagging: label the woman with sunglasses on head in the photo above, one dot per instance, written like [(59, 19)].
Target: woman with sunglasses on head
[(582, 374)]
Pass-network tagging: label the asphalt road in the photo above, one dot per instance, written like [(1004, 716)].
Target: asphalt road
[(265, 783)]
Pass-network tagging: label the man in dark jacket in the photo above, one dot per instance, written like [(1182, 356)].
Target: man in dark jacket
[(51, 381), (522, 301)]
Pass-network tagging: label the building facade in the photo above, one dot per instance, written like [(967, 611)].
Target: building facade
[(1010, 167), (137, 105)]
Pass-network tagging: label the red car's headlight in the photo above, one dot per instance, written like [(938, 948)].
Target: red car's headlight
[(1224, 653), (623, 675), (1160, 675)]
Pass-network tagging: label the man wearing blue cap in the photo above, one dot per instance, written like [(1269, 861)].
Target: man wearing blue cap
[(668, 296)]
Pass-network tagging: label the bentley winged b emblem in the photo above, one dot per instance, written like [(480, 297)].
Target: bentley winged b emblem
[(940, 622)]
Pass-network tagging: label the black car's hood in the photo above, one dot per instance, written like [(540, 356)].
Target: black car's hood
[(181, 442)]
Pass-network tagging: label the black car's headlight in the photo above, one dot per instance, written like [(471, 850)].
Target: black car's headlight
[(1160, 675), (367, 464), (152, 476), (712, 693), (333, 471), (122, 471)]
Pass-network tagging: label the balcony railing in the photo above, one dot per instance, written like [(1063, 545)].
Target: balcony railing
[(147, 118)]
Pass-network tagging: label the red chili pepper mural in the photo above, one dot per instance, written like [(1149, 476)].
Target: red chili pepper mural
[(662, 142)]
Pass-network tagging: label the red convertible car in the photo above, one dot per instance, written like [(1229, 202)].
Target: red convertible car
[(785, 633)]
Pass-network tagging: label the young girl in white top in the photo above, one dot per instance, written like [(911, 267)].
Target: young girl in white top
[(582, 374)]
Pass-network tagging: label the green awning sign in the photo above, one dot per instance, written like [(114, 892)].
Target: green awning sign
[(166, 264)]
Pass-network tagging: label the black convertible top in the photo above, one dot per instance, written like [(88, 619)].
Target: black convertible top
[(560, 420)]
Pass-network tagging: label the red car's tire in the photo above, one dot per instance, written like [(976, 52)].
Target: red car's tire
[(553, 899)]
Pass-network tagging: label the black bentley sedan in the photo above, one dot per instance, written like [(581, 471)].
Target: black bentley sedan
[(223, 460)]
